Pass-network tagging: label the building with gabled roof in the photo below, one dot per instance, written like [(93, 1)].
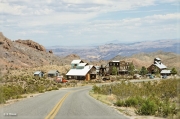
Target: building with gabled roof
[(81, 71), (53, 73), (39, 73), (74, 63), (158, 66)]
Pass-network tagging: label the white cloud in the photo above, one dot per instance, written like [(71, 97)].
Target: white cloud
[(41, 7), (14, 10), (174, 16), (80, 19), (39, 31)]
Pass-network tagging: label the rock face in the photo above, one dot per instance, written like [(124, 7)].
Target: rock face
[(32, 44), (72, 56), (50, 51), (24, 54), (5, 42)]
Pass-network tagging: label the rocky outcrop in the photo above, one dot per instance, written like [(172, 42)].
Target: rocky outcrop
[(32, 44), (23, 54), (5, 42), (72, 56), (50, 51)]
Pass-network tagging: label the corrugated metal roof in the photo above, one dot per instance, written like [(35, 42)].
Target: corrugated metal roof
[(97, 67), (165, 71), (115, 61), (82, 64), (37, 72), (52, 71), (79, 72), (157, 58), (160, 65), (76, 61)]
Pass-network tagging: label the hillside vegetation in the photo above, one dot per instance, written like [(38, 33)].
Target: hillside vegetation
[(159, 98)]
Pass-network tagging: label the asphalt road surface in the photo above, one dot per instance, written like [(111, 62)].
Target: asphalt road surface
[(70, 103)]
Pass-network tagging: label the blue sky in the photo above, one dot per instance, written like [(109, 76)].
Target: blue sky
[(89, 22)]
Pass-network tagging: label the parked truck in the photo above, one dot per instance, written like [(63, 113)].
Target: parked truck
[(60, 79)]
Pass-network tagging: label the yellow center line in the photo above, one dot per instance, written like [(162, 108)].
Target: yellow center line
[(56, 108)]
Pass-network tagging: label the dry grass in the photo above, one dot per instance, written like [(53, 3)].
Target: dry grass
[(29, 71)]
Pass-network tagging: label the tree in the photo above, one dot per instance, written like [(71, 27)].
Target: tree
[(114, 71), (131, 69), (143, 71), (156, 71), (173, 71)]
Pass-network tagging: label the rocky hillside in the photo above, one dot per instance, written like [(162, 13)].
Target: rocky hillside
[(32, 44), (24, 54)]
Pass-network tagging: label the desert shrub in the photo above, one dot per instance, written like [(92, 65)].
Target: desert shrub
[(9, 91), (55, 88), (2, 99), (119, 103), (131, 102), (49, 89), (96, 89), (59, 85), (165, 109), (149, 98), (41, 88), (149, 107)]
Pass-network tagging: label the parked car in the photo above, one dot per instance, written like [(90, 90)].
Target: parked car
[(151, 76), (106, 77), (164, 76)]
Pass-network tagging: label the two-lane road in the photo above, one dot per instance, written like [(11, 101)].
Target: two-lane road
[(70, 103)]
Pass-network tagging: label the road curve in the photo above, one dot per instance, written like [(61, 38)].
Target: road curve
[(68, 103)]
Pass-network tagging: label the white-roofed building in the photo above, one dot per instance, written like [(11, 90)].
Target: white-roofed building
[(39, 73), (82, 71), (165, 71), (158, 66), (75, 63)]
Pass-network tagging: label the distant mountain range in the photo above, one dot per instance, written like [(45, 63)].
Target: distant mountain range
[(110, 50), (26, 54)]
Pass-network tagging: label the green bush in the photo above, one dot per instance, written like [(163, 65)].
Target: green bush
[(120, 103), (148, 108), (131, 102), (149, 98), (96, 89)]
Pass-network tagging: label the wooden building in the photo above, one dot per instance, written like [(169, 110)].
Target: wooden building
[(81, 71), (156, 67), (121, 66), (39, 73), (53, 73)]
